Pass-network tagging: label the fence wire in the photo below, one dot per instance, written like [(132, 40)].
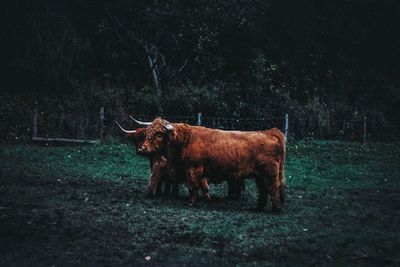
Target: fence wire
[(85, 123), (74, 124)]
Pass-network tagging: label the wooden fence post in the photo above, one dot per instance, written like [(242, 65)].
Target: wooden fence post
[(286, 125), (365, 130), (343, 127), (320, 126), (199, 117), (101, 123), (34, 123), (329, 126)]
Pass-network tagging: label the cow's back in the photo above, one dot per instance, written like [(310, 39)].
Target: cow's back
[(229, 153)]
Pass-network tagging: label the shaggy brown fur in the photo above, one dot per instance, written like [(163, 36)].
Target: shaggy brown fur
[(157, 136), (158, 164), (202, 153)]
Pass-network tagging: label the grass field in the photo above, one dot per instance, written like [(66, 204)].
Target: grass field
[(86, 205)]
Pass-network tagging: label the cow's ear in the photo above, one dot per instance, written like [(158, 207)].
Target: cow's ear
[(172, 136), (168, 127), (177, 135)]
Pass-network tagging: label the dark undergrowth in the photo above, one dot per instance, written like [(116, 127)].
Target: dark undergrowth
[(86, 205)]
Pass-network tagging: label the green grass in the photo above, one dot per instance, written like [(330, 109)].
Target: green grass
[(111, 162), (87, 205)]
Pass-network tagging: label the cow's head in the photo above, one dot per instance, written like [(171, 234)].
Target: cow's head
[(157, 135), (136, 136)]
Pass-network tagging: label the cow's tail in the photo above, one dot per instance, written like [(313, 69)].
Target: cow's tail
[(282, 178)]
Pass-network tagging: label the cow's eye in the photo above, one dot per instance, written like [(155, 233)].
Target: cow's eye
[(159, 136)]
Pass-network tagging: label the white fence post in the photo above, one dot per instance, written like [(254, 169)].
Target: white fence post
[(286, 125), (199, 117)]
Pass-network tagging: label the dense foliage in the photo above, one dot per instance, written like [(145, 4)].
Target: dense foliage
[(312, 59)]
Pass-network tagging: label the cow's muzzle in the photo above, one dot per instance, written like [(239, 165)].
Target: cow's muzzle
[(144, 150)]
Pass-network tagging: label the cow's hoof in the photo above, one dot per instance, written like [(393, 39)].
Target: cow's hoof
[(236, 198), (193, 201), (207, 198)]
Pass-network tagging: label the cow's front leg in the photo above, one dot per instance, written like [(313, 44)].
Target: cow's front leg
[(235, 187), (205, 188), (155, 185), (193, 194), (152, 185), (175, 189), (157, 176), (193, 175), (174, 179)]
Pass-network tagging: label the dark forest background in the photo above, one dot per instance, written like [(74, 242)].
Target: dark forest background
[(329, 60)]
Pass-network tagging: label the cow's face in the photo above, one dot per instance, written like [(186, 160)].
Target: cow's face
[(138, 138), (156, 137)]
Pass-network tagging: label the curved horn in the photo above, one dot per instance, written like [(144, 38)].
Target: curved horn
[(125, 131), (140, 122)]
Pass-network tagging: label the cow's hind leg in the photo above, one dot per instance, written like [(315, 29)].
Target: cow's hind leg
[(282, 193), (241, 186), (205, 188), (175, 189), (159, 188), (262, 193), (231, 190), (167, 186), (193, 177), (276, 189)]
